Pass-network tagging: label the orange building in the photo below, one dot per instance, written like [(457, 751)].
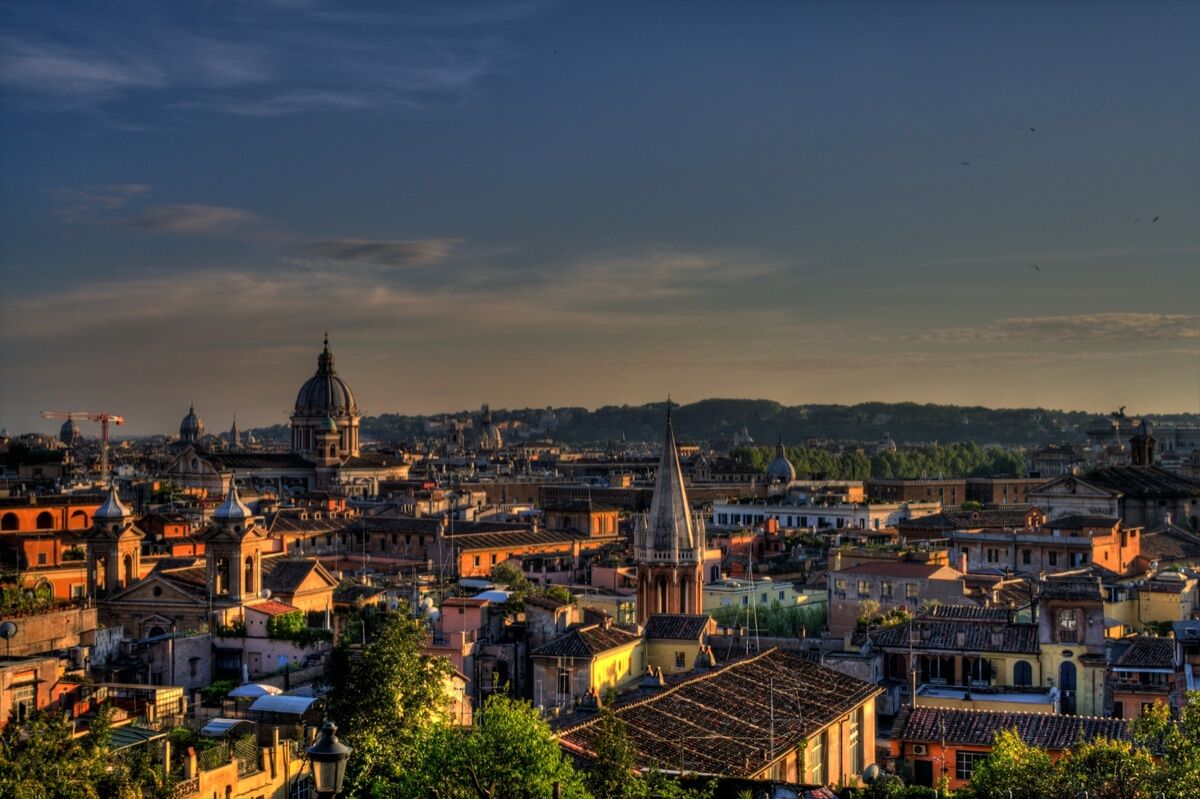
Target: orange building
[(952, 741)]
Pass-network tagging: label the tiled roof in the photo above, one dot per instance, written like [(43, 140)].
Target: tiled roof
[(286, 574), (979, 727), (1070, 589), (1142, 481), (995, 519), (902, 568), (1148, 652), (1080, 521), (371, 460), (958, 635), (967, 613), (722, 719), (584, 642), (272, 608), (515, 538), (1170, 543), (226, 461), (677, 626)]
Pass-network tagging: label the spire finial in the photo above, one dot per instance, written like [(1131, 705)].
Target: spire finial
[(326, 339), (668, 406)]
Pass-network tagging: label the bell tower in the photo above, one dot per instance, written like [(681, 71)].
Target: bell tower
[(233, 550), (669, 543), (114, 548), (1142, 446)]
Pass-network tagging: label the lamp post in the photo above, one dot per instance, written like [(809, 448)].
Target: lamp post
[(327, 760)]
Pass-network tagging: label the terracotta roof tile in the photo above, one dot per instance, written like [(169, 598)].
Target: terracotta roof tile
[(585, 642), (1148, 652), (677, 626), (979, 727), (723, 718)]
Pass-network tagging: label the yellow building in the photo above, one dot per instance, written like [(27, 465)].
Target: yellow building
[(678, 642), (776, 715), (587, 661)]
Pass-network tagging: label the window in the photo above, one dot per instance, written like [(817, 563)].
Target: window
[(23, 701), (855, 748), (476, 560), (41, 558), (564, 682), (885, 589), (1026, 556), (864, 588), (781, 595), (1068, 626), (763, 599), (814, 760), (1022, 673), (839, 585), (680, 660), (993, 556), (1053, 558), (964, 763), (493, 558), (912, 590), (746, 600), (77, 591)]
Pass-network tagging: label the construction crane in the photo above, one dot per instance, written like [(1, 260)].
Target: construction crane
[(91, 416)]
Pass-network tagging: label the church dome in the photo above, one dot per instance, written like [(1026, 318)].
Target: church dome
[(781, 469), (69, 433), (191, 428), (489, 433), (325, 394)]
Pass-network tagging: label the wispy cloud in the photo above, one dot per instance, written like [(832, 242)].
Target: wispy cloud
[(197, 220), (79, 203), (257, 60), (382, 253), (1077, 327)]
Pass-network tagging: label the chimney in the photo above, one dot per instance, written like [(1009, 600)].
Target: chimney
[(962, 560)]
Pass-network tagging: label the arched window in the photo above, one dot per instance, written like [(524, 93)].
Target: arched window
[(248, 585), (101, 573), (221, 576), (981, 670), (129, 575), (9, 522), (45, 520), (1022, 673), (79, 520)]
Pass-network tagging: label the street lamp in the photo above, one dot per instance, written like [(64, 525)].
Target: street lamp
[(327, 759)]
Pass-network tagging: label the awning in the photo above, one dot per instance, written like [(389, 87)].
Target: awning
[(295, 705), (254, 690), (219, 728), (132, 735)]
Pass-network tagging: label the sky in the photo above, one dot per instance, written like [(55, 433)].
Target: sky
[(589, 203)]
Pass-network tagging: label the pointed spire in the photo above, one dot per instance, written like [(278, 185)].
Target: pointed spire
[(325, 359), (669, 533)]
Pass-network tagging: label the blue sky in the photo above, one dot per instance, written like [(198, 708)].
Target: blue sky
[(588, 203)]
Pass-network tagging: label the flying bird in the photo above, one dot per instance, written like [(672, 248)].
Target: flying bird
[(1035, 266), (965, 163), (1155, 219), (1033, 130)]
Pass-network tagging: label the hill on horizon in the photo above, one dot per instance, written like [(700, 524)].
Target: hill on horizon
[(719, 420)]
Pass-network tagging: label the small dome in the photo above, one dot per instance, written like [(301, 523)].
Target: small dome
[(113, 510), (325, 394), (781, 469), (191, 428), (232, 509), (328, 425), (69, 433)]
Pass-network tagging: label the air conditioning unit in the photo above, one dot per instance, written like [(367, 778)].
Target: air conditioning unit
[(920, 749)]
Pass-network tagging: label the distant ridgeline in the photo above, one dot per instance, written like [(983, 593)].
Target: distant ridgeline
[(720, 420)]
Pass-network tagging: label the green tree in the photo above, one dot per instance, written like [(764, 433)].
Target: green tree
[(40, 759), (510, 753), (1014, 766), (1107, 769), (1178, 745), (612, 773), (517, 583), (384, 697)]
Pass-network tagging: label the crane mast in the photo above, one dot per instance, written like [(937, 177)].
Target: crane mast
[(92, 416)]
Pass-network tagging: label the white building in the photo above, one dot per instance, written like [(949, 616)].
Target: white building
[(797, 514)]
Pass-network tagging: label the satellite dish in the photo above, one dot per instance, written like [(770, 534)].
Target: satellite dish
[(265, 593), (871, 773), (7, 630)]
